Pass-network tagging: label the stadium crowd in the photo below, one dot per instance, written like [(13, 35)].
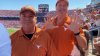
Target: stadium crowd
[(10, 23)]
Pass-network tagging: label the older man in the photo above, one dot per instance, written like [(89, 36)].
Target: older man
[(97, 44), (30, 40)]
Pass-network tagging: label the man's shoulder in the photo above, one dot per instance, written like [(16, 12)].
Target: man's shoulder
[(68, 20), (43, 34), (13, 36)]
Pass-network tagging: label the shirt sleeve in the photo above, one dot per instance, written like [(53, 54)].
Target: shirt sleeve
[(5, 42), (51, 49)]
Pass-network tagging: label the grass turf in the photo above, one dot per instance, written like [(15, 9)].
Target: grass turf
[(11, 30)]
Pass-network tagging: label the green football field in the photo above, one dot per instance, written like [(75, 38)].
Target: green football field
[(11, 30)]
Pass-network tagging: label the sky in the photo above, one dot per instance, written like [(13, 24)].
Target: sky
[(17, 4)]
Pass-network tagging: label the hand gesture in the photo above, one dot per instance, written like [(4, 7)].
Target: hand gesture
[(75, 24), (49, 23)]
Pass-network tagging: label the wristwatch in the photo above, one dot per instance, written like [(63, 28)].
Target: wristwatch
[(76, 33)]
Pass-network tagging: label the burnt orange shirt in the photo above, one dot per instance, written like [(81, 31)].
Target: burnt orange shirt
[(66, 20), (63, 40), (40, 44)]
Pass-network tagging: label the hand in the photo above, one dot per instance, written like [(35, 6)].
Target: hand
[(49, 24), (75, 24)]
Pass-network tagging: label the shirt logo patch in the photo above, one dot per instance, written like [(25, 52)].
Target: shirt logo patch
[(38, 46), (65, 28)]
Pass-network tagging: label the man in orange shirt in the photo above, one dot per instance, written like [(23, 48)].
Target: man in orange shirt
[(65, 31), (30, 40)]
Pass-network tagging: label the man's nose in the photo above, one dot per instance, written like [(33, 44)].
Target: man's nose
[(27, 18)]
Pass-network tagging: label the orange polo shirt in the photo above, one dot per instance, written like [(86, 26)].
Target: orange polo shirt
[(63, 38), (68, 21), (40, 44)]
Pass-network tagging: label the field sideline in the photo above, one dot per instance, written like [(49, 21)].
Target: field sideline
[(11, 30)]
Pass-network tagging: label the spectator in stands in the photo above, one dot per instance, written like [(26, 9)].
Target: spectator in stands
[(94, 33), (96, 24), (97, 45), (81, 15), (65, 33), (86, 26), (5, 42), (30, 40), (92, 16), (97, 20)]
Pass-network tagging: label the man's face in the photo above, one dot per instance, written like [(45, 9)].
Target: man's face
[(62, 8), (27, 18)]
